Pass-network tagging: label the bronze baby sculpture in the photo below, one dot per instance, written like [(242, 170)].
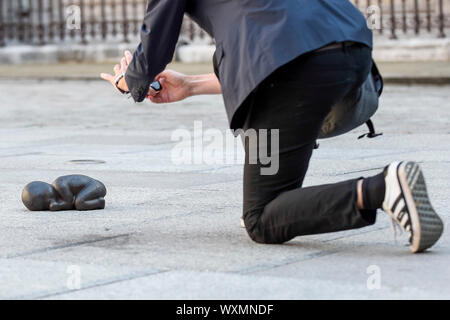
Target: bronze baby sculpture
[(65, 193)]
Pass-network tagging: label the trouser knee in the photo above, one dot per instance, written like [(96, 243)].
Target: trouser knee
[(256, 231)]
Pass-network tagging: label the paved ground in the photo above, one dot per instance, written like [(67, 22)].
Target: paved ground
[(172, 231)]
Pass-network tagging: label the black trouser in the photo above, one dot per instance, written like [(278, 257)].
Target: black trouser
[(296, 99)]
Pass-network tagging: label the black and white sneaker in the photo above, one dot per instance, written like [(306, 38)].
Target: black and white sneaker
[(406, 201)]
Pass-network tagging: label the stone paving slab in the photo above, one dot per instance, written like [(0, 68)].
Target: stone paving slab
[(173, 231), (195, 285)]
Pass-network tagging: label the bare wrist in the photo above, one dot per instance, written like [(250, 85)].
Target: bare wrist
[(191, 85), (203, 84)]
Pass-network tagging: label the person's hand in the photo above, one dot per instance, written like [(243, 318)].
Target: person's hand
[(175, 87), (119, 69)]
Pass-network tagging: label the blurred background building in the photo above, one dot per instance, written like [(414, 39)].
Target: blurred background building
[(99, 30)]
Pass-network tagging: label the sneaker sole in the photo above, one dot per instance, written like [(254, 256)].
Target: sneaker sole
[(427, 226)]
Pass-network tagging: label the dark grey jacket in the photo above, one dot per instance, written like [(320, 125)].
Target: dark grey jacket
[(253, 38)]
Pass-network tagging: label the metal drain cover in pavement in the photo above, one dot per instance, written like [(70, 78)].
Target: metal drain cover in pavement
[(85, 161)]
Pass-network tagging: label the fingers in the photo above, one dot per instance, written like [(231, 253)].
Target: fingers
[(128, 56), (116, 69), (156, 99), (152, 92), (123, 64), (165, 74), (107, 77), (162, 82)]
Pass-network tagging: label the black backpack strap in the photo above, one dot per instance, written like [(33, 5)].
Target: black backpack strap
[(371, 133), (377, 78)]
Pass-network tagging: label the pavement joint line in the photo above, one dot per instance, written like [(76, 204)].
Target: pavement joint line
[(381, 155), (267, 266), (94, 284), (222, 167), (263, 267), (207, 170), (168, 143), (364, 170), (356, 171), (22, 154), (179, 215), (32, 145), (63, 246), (355, 234)]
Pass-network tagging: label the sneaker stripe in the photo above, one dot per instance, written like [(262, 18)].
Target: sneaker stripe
[(403, 212), (400, 208), (404, 221), (396, 202), (407, 213)]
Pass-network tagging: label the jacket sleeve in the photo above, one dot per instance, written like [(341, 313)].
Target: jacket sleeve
[(159, 34), (215, 65)]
